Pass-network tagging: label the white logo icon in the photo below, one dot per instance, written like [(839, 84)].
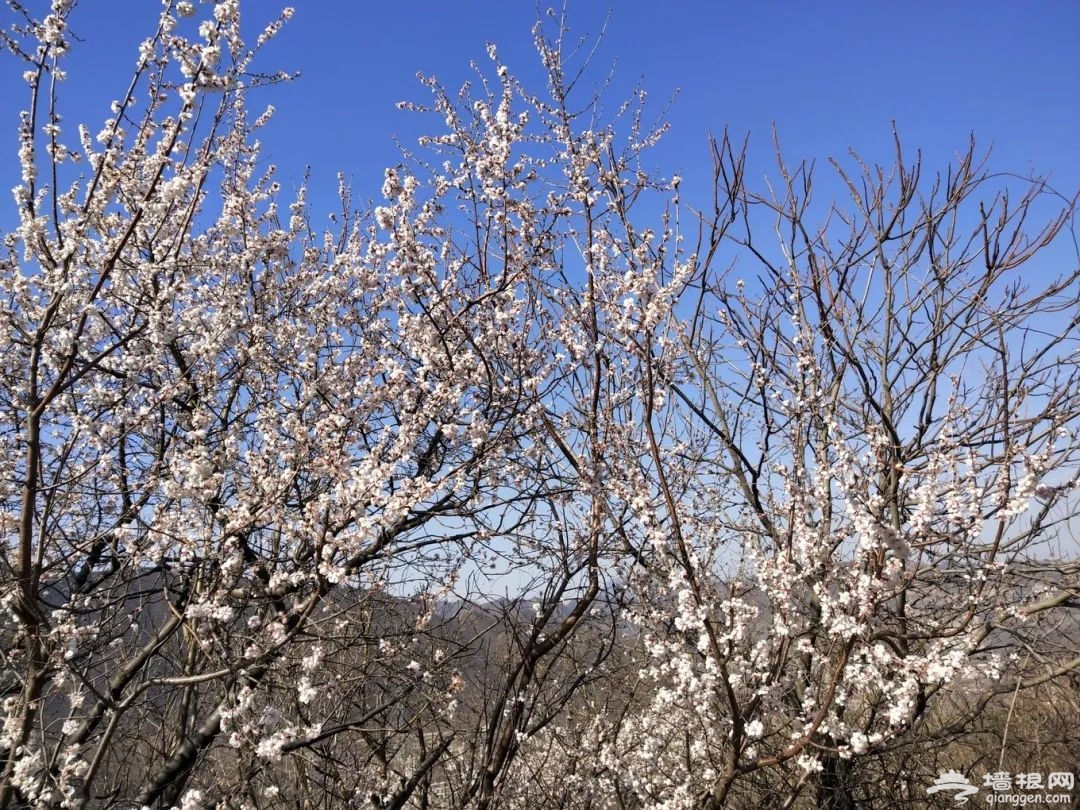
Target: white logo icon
[(952, 780)]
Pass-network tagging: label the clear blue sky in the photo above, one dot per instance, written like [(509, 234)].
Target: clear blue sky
[(830, 75)]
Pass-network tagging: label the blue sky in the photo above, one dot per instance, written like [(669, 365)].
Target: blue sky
[(829, 75)]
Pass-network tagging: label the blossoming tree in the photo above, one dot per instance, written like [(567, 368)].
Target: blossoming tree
[(853, 470), (259, 476)]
